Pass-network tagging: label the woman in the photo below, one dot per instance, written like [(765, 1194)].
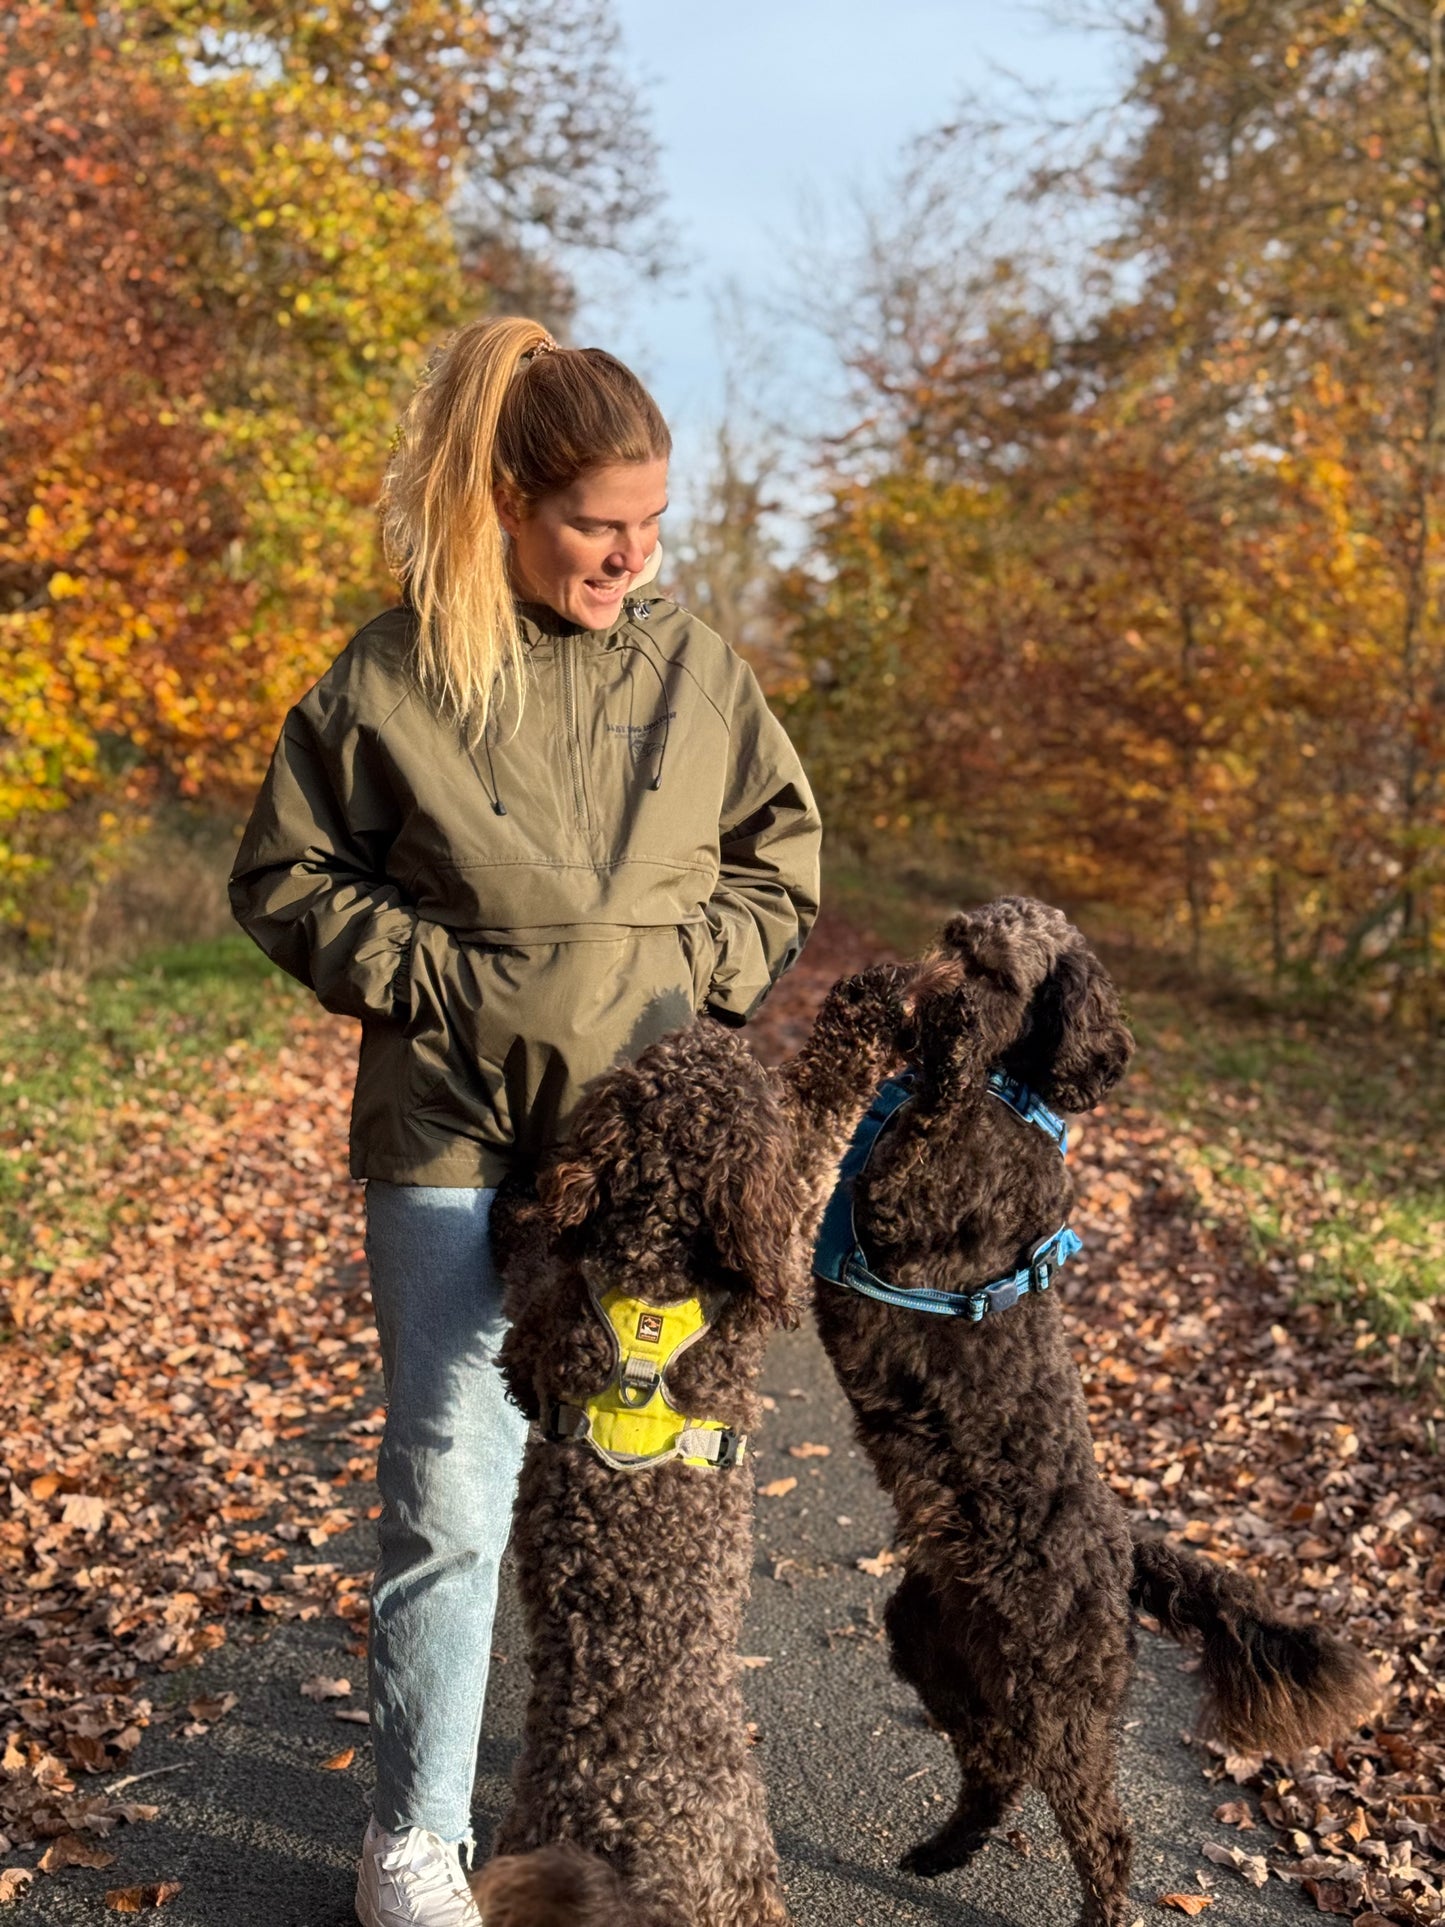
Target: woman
[(528, 822)]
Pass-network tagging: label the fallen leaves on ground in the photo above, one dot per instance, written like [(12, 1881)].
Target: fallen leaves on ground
[(1186, 1903), (188, 1417), (1307, 1465), (1249, 1866), (777, 1488), (191, 1415), (339, 1762), (205, 1710), (137, 1900), (809, 1450), (319, 1687), (1235, 1813), (882, 1562), (71, 1851)]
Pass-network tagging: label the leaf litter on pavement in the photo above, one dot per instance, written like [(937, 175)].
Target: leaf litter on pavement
[(191, 1414)]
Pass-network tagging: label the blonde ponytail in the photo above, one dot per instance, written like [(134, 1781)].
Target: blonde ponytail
[(500, 405)]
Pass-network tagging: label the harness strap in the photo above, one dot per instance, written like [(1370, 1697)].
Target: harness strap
[(839, 1257), (1002, 1295), (698, 1441), (837, 1250), (1028, 1105)]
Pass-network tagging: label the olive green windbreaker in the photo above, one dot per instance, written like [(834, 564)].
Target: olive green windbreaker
[(508, 922)]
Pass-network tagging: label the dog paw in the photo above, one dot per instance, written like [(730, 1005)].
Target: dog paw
[(941, 1853), (878, 1003)]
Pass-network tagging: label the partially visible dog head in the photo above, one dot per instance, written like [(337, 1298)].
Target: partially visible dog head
[(1013, 984), (680, 1165)]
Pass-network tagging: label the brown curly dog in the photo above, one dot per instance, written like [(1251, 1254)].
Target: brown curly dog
[(1013, 1622), (694, 1172)]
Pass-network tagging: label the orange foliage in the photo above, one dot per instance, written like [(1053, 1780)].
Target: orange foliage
[(232, 234), (1136, 596)]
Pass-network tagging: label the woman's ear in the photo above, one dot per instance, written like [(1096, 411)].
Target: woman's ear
[(508, 514), (1078, 1046)]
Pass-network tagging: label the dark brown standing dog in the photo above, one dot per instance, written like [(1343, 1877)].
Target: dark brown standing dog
[(1014, 1619), (695, 1174)]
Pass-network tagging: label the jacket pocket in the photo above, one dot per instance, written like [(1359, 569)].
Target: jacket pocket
[(457, 1040), (699, 950)]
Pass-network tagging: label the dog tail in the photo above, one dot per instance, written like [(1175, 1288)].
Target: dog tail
[(1271, 1687), (558, 1886)]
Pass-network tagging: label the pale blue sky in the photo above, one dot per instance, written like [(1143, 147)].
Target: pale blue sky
[(763, 105)]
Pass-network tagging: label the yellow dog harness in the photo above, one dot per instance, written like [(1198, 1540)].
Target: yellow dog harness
[(631, 1422)]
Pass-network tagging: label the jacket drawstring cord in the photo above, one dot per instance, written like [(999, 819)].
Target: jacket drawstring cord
[(494, 791), (498, 805)]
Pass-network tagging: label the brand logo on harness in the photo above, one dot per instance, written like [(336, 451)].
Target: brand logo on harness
[(649, 1328)]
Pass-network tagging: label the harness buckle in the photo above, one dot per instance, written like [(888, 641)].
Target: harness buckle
[(1043, 1263), (1001, 1297), (562, 1423), (730, 1450)]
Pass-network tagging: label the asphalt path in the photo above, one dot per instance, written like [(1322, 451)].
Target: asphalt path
[(260, 1834)]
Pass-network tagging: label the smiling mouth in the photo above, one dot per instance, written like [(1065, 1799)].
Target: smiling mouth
[(606, 589)]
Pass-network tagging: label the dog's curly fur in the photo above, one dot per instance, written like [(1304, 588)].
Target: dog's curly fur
[(636, 1797), (1013, 1621)]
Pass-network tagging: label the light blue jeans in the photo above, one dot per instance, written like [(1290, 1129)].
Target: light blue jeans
[(448, 1469)]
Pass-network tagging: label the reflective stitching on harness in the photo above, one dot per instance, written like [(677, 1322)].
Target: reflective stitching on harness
[(839, 1257)]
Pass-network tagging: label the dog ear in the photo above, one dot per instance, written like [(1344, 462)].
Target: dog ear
[(1078, 1045), (753, 1205), (971, 997), (567, 1193), (571, 1188)]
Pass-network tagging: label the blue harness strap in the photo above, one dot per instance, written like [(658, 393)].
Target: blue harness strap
[(1030, 1107), (839, 1258)]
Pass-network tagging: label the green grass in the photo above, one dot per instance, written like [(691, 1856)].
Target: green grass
[(1324, 1141), (86, 1067), (1320, 1139)]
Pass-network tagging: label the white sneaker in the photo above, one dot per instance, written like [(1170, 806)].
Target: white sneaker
[(412, 1879)]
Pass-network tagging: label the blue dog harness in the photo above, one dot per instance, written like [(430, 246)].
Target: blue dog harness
[(839, 1258)]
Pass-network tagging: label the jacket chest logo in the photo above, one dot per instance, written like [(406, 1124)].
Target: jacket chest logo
[(639, 732)]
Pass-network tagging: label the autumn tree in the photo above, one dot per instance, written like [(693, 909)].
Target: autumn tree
[(1196, 471), (230, 233)]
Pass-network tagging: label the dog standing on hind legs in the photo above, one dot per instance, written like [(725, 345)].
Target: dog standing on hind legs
[(668, 1240), (1014, 1619)]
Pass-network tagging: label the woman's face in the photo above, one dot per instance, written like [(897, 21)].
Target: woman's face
[(576, 551)]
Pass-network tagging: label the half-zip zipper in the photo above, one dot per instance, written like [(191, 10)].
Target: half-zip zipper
[(567, 647)]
